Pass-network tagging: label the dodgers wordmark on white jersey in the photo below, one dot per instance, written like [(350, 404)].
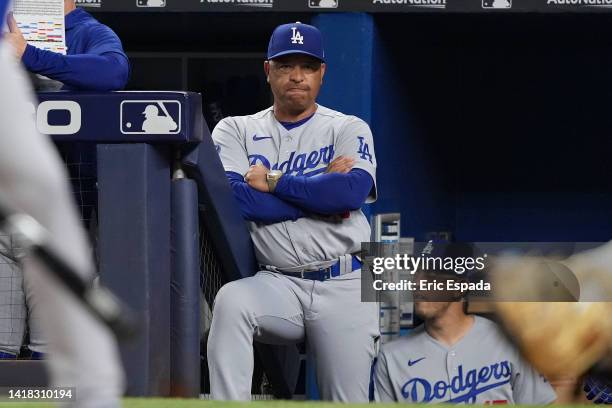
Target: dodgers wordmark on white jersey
[(305, 151), (482, 368)]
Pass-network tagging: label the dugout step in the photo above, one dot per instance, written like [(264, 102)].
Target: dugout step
[(23, 373)]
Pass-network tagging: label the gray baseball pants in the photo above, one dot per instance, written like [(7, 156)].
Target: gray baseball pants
[(341, 332)]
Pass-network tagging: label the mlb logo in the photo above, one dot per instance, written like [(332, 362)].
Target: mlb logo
[(151, 3), (323, 3), (497, 4), (150, 117)]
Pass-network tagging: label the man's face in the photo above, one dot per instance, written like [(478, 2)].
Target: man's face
[(295, 80), (431, 310)]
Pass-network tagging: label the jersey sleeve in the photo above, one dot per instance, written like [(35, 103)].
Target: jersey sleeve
[(383, 386), (530, 387), (102, 40), (355, 140), (230, 145)]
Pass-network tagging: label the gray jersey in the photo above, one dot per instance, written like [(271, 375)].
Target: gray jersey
[(306, 150), (482, 368)]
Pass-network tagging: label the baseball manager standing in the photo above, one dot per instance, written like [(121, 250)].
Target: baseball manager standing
[(301, 173)]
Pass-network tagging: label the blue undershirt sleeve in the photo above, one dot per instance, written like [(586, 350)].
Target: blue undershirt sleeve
[(261, 207), (327, 194)]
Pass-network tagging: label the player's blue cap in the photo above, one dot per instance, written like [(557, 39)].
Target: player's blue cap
[(3, 7), (296, 38)]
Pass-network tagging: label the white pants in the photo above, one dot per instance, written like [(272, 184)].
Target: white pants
[(82, 352), (340, 330)]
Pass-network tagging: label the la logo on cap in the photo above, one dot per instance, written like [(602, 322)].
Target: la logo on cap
[(297, 37)]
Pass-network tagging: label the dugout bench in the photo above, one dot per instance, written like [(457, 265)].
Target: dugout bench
[(153, 193)]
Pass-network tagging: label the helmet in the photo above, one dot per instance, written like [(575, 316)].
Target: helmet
[(151, 110)]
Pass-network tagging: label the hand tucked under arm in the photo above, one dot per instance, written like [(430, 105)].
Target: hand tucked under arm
[(331, 193), (261, 207)]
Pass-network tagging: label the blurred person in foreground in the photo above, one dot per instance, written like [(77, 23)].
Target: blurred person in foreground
[(95, 61), (558, 311), (82, 352)]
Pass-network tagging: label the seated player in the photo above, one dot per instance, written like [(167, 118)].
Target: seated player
[(455, 357), (95, 58)]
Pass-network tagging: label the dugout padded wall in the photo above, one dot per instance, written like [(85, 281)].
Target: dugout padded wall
[(134, 245)]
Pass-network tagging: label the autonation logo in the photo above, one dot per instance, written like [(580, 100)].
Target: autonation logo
[(588, 3), (89, 3), (414, 3), (251, 3)]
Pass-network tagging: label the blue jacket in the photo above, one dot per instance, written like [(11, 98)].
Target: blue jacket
[(95, 61)]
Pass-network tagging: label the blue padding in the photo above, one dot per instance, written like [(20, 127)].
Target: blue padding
[(221, 216), (220, 212), (349, 44), (134, 225), (185, 291), (174, 117)]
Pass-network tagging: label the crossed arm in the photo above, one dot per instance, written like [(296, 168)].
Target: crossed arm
[(339, 190)]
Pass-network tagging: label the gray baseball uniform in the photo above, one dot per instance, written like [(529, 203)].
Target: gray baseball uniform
[(482, 368), (271, 307)]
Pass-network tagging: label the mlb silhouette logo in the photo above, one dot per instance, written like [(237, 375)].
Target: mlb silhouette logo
[(323, 3), (151, 3), (497, 4), (150, 117)]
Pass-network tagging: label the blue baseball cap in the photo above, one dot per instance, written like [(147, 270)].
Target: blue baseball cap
[(296, 38)]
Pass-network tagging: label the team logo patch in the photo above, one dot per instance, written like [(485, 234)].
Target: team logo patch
[(150, 117), (465, 386), (303, 164), (364, 149), (296, 37)]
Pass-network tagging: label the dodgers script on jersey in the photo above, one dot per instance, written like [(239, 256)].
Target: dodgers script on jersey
[(306, 150), (482, 368)]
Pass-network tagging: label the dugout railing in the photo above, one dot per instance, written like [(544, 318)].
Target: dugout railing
[(165, 228)]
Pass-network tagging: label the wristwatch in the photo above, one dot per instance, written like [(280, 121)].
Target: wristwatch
[(272, 178)]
